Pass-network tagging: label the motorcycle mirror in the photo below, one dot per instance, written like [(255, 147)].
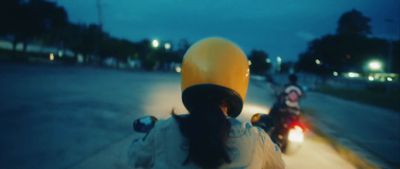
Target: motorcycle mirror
[(144, 124), (255, 118), (261, 120)]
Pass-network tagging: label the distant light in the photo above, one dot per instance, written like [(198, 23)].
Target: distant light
[(60, 54), (370, 78), (317, 61), (353, 74), (335, 73), (249, 63), (279, 59), (51, 57), (268, 60), (375, 65), (80, 58), (155, 43), (389, 79), (167, 46), (178, 69)]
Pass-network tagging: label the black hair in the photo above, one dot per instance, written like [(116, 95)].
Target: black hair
[(206, 128)]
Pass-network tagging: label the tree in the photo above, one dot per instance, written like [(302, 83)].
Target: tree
[(287, 67), (395, 65), (259, 64), (183, 46), (9, 8), (353, 23), (56, 33), (348, 50), (118, 48), (31, 19), (341, 53)]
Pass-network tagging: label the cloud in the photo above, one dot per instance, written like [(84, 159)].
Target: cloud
[(306, 36)]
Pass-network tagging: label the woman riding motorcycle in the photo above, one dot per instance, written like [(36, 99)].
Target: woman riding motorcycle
[(215, 77)]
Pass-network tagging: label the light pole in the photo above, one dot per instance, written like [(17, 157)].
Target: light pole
[(279, 63), (396, 27), (99, 14)]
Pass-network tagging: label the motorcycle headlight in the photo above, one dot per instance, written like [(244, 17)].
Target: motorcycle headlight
[(296, 134)]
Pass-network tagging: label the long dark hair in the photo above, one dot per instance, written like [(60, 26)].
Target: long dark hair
[(206, 128)]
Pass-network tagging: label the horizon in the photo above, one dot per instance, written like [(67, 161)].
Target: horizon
[(289, 28)]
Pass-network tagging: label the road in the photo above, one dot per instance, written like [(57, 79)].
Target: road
[(78, 117)]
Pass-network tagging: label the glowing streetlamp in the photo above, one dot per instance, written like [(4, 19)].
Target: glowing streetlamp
[(178, 69), (375, 65), (167, 46), (279, 62), (318, 62), (279, 59), (155, 43)]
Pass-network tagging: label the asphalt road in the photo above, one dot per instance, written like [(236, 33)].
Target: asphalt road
[(77, 117)]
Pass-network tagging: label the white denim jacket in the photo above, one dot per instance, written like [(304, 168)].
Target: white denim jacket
[(165, 147)]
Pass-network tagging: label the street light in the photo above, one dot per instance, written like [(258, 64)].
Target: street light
[(279, 62), (318, 62), (167, 46), (155, 43), (279, 59), (375, 65)]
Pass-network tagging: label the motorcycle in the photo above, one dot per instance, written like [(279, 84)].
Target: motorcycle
[(282, 124), (144, 124), (287, 132)]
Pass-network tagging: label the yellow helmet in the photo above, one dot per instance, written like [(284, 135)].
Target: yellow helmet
[(215, 69)]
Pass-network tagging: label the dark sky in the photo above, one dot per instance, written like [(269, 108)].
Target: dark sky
[(280, 27)]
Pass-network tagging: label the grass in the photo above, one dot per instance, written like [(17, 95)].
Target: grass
[(374, 95)]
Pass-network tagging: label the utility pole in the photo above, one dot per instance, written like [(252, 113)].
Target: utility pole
[(390, 49), (99, 14), (95, 58)]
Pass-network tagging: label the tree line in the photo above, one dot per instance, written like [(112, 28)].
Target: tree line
[(44, 22), (349, 49)]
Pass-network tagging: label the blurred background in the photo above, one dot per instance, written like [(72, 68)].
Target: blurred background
[(75, 74)]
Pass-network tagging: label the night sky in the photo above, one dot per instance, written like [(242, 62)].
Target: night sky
[(280, 27)]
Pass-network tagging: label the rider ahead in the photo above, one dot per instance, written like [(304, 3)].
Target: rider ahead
[(292, 93), (215, 76)]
